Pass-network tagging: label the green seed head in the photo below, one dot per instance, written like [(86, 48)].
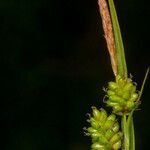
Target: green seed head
[(122, 96), (104, 130)]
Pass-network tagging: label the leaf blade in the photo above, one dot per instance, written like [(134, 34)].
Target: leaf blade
[(121, 62)]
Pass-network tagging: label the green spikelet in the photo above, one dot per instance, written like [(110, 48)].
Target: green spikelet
[(104, 131), (122, 95)]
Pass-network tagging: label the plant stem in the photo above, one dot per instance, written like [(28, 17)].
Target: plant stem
[(143, 84), (126, 133), (132, 136), (130, 118), (131, 131), (127, 122)]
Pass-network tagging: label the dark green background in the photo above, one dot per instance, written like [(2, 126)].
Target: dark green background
[(54, 63)]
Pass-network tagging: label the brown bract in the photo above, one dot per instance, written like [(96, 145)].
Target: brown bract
[(108, 33)]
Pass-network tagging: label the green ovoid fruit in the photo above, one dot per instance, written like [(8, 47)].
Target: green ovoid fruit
[(122, 96), (104, 131)]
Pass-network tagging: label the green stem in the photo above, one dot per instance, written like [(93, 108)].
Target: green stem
[(143, 84), (132, 135), (127, 128), (127, 121), (126, 133), (131, 131)]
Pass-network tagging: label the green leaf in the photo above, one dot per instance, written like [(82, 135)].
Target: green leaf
[(121, 62)]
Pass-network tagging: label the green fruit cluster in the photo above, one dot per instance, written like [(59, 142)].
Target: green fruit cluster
[(122, 96), (104, 131)]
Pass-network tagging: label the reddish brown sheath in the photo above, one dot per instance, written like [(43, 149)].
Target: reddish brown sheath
[(108, 32)]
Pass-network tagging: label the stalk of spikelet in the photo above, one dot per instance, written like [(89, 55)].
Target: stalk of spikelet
[(104, 131)]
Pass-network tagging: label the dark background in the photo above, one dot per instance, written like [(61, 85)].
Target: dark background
[(54, 63)]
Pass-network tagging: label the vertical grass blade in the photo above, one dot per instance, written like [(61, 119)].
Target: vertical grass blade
[(122, 71), (121, 62)]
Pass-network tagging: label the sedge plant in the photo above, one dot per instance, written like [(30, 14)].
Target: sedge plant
[(115, 131)]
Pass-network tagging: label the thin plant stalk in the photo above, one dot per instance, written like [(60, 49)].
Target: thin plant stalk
[(128, 128), (125, 130)]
